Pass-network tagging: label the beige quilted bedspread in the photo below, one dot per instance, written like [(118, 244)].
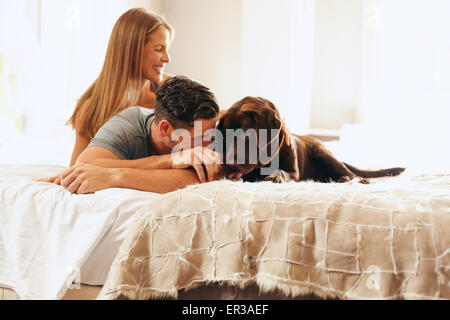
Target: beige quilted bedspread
[(387, 240)]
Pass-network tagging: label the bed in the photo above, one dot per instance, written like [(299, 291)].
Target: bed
[(37, 256), (227, 240), (387, 240)]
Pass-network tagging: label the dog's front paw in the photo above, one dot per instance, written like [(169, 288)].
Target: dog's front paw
[(278, 177), (344, 179), (274, 179)]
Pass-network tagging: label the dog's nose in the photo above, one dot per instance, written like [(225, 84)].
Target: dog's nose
[(235, 175)]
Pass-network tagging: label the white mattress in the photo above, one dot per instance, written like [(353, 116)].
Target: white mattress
[(49, 237)]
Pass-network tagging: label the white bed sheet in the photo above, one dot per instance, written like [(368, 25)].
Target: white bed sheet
[(50, 238)]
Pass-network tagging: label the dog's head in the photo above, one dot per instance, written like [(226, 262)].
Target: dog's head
[(252, 146)]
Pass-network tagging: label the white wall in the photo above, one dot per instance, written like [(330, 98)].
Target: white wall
[(253, 47), (337, 63), (304, 55), (150, 5), (207, 44)]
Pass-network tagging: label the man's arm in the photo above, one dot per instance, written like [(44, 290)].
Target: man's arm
[(85, 178), (102, 157), (205, 162), (160, 181)]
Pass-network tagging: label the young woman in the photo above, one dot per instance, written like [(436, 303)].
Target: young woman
[(132, 72)]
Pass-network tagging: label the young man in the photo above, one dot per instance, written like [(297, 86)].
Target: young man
[(135, 148)]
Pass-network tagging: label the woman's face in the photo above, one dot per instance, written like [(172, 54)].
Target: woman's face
[(156, 55)]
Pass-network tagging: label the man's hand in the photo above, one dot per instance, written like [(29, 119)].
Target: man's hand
[(84, 178), (201, 159)]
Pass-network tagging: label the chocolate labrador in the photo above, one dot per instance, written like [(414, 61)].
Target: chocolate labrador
[(306, 158)]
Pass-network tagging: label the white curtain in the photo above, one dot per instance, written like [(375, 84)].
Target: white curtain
[(19, 57), (405, 100), (74, 38), (51, 51)]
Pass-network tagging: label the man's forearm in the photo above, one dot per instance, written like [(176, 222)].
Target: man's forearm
[(149, 163), (159, 181)]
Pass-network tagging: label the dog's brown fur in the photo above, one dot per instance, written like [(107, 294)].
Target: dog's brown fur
[(305, 159)]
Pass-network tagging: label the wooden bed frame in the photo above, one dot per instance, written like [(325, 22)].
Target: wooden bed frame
[(211, 292), (84, 293)]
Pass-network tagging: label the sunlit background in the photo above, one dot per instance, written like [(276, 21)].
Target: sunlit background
[(374, 74)]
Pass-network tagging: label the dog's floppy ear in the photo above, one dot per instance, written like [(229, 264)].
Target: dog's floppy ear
[(271, 118), (219, 124), (278, 120)]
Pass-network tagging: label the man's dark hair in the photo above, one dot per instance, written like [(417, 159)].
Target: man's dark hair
[(181, 101)]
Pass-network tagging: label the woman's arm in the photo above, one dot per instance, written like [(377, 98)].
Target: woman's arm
[(81, 140), (81, 143)]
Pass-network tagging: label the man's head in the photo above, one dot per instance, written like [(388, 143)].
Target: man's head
[(180, 104)]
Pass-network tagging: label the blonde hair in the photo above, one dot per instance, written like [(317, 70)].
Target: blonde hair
[(120, 82)]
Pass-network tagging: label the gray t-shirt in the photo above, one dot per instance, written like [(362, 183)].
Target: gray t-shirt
[(127, 134)]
